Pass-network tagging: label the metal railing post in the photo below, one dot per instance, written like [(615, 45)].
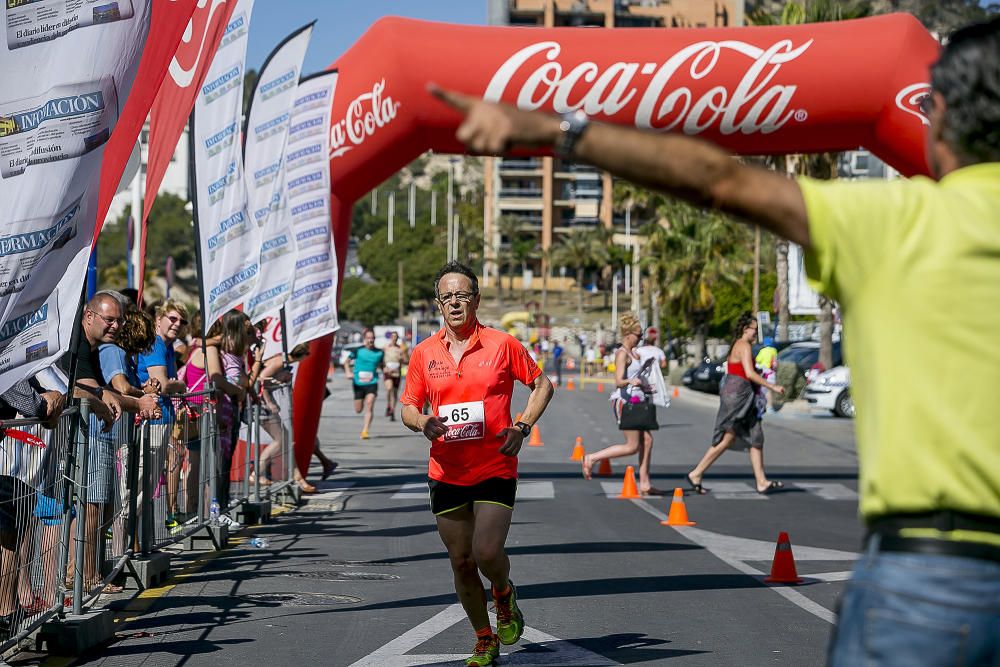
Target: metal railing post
[(81, 507), (287, 424), (146, 533), (132, 476), (70, 465), (255, 427)]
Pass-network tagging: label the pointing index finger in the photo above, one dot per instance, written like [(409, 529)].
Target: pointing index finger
[(457, 100)]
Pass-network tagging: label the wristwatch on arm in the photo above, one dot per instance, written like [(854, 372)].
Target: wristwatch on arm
[(573, 125), (525, 429)]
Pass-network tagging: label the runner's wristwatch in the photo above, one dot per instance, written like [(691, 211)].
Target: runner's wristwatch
[(525, 429), (573, 125)]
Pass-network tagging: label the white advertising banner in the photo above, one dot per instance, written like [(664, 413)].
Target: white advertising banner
[(802, 300), (67, 69), (311, 310), (264, 163), (230, 241)]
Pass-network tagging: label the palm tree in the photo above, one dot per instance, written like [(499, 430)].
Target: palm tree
[(689, 256), (580, 250), (509, 227)]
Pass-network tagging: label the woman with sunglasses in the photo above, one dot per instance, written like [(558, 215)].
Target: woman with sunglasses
[(159, 364)]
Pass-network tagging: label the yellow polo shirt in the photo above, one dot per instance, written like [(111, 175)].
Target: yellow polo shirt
[(915, 265)]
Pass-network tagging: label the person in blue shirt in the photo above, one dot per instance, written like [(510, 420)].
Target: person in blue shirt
[(557, 359), (160, 364), (362, 367)]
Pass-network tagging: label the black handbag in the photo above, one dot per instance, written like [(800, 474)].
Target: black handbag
[(639, 416)]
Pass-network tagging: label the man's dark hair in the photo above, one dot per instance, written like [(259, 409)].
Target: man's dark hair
[(968, 77), (456, 267)]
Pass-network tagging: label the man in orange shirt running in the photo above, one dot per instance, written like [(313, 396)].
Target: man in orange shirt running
[(467, 372)]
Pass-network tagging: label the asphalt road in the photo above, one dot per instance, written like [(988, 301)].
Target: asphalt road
[(358, 576)]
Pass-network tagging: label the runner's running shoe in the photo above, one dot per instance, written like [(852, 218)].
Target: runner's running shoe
[(510, 620), (487, 650)]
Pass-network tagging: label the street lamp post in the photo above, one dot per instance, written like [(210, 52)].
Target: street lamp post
[(392, 213)]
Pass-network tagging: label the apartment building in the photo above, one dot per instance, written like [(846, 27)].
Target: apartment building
[(549, 196)]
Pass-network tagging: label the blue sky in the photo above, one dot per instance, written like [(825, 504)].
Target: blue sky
[(339, 23)]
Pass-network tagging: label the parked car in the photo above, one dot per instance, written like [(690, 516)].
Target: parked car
[(806, 354), (832, 390), (706, 376)]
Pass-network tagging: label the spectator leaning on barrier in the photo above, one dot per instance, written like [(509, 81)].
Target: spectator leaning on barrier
[(915, 264), (160, 364)]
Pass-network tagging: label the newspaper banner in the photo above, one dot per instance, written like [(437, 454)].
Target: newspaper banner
[(264, 161), (57, 111), (33, 21), (230, 242), (311, 310)]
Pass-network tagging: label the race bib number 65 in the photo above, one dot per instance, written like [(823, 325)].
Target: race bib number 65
[(465, 421)]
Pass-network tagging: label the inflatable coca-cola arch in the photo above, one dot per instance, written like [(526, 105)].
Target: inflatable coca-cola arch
[(755, 90)]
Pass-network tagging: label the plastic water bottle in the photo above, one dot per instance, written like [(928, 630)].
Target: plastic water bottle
[(214, 512), (259, 543)]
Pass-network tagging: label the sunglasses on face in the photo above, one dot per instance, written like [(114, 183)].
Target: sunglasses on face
[(461, 297), (110, 320), (174, 319)]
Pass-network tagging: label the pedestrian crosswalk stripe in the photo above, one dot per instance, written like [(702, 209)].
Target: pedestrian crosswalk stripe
[(828, 490), (734, 491), (525, 491), (330, 490), (546, 490)]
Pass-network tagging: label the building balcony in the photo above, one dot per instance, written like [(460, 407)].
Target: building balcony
[(521, 167)]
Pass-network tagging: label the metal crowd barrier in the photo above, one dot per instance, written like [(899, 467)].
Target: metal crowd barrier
[(33, 523), (78, 501), (275, 460)]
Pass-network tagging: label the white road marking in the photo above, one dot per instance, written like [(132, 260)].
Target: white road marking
[(734, 491), (412, 491), (557, 653), (733, 551), (828, 490), (330, 491), (535, 491), (525, 491)]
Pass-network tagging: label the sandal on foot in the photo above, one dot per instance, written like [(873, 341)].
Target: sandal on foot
[(771, 487), (653, 491), (697, 488)]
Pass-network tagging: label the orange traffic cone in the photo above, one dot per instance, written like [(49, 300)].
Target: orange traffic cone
[(629, 490), (678, 511), (604, 469), (569, 385), (783, 565), (536, 437), (577, 450), (517, 418), (677, 392), (600, 387)]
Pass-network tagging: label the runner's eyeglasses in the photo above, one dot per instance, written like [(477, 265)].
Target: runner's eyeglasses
[(461, 297), (174, 319)]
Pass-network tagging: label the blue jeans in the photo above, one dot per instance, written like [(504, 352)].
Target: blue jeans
[(918, 610)]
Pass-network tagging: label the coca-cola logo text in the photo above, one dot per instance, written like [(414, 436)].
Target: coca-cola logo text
[(472, 431), (754, 104), (183, 72), (910, 97), (365, 114)]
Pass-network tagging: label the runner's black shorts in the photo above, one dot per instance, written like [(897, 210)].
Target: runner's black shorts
[(450, 497), (362, 390)]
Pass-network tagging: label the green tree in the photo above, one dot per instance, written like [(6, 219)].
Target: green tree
[(580, 250), (170, 231), (690, 257), (369, 303)]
